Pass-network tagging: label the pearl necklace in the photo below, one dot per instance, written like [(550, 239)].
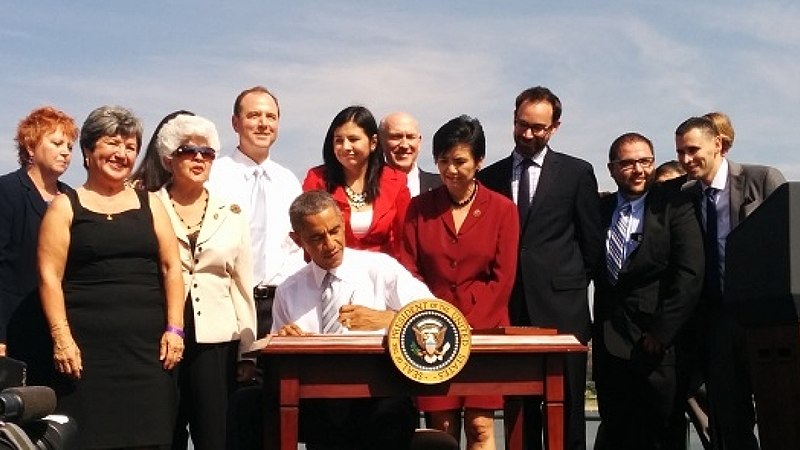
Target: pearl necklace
[(463, 203), (358, 200)]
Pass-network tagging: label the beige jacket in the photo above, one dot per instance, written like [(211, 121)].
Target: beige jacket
[(219, 275)]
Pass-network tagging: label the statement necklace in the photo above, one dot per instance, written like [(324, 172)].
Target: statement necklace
[(202, 217), (464, 203), (358, 200)]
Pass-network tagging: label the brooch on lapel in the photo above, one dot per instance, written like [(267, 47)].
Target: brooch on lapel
[(235, 208), (477, 213)]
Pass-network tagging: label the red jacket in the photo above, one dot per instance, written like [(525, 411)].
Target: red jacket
[(473, 269), (388, 210)]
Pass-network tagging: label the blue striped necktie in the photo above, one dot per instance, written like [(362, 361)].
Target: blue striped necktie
[(616, 243), (330, 306)]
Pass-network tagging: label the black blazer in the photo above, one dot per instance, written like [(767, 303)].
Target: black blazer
[(428, 181), (21, 212), (560, 243), (660, 282)]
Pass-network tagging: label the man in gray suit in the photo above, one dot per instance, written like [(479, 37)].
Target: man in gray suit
[(400, 140), (725, 194)]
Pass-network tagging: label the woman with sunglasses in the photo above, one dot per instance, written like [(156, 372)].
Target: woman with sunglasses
[(219, 317)]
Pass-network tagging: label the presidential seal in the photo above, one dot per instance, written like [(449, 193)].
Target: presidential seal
[(429, 341)]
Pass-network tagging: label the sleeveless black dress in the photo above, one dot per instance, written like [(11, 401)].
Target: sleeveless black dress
[(116, 310)]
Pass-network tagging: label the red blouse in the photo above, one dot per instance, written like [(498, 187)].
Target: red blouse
[(474, 268), (388, 210)]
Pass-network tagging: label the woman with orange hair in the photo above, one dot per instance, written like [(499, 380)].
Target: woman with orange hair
[(44, 149)]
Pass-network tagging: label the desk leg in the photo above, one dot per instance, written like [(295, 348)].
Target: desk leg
[(554, 402), (514, 419), (289, 420)]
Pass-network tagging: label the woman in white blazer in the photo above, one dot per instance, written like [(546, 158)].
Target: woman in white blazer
[(214, 244)]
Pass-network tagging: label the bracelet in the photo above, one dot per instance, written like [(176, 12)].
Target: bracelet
[(176, 330)]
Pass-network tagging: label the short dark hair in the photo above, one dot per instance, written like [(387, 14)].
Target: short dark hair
[(237, 104), (539, 94), (334, 172), (310, 203), (703, 124), (627, 138), (670, 166), (462, 130)]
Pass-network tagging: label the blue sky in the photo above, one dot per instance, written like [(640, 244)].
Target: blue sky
[(617, 66)]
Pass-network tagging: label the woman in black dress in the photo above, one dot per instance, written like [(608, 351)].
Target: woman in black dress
[(44, 150), (112, 293)]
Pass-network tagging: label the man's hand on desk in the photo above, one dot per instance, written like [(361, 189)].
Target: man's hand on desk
[(361, 318), (291, 330)]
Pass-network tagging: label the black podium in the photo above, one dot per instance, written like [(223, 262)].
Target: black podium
[(762, 278)]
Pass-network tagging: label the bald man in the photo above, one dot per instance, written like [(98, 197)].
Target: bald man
[(400, 139)]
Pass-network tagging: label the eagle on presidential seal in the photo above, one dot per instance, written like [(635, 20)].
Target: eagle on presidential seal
[(430, 335)]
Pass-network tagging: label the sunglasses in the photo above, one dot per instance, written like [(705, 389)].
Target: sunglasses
[(194, 150)]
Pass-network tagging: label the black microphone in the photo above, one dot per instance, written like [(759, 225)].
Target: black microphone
[(23, 404)]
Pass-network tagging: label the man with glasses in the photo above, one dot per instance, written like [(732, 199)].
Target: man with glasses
[(400, 140), (646, 290), (725, 193), (560, 244)]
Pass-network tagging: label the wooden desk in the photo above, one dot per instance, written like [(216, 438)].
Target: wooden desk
[(345, 366)]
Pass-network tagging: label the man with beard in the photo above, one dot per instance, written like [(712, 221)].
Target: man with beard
[(646, 290), (400, 140), (560, 244)]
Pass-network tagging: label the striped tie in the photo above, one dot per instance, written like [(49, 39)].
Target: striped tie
[(330, 306), (616, 243)]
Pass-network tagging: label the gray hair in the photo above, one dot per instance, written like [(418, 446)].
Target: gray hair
[(109, 121), (180, 129), (308, 204)]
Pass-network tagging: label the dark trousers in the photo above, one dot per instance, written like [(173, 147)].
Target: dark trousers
[(206, 377), (640, 400), (574, 408), (730, 396), (363, 424), (263, 296)]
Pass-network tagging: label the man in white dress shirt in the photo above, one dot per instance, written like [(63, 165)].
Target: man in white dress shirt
[(264, 188), (369, 288)]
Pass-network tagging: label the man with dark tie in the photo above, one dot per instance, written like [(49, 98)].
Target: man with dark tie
[(400, 140), (646, 290), (560, 244), (339, 291), (725, 193)]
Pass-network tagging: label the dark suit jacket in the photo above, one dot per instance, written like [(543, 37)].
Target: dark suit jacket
[(660, 282), (388, 210), (474, 268), (750, 185), (428, 181), (560, 243), (21, 211)]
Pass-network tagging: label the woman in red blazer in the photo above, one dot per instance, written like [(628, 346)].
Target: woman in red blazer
[(461, 239), (373, 197)]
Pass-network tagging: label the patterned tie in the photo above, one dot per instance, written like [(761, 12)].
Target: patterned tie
[(713, 282), (258, 223), (616, 243), (524, 190), (330, 305)]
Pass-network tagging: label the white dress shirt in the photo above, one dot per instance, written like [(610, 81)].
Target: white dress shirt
[(412, 180), (534, 172), (370, 279), (232, 177), (632, 236)]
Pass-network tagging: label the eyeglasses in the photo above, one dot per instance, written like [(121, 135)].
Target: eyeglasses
[(629, 164), (536, 128), (207, 153)]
